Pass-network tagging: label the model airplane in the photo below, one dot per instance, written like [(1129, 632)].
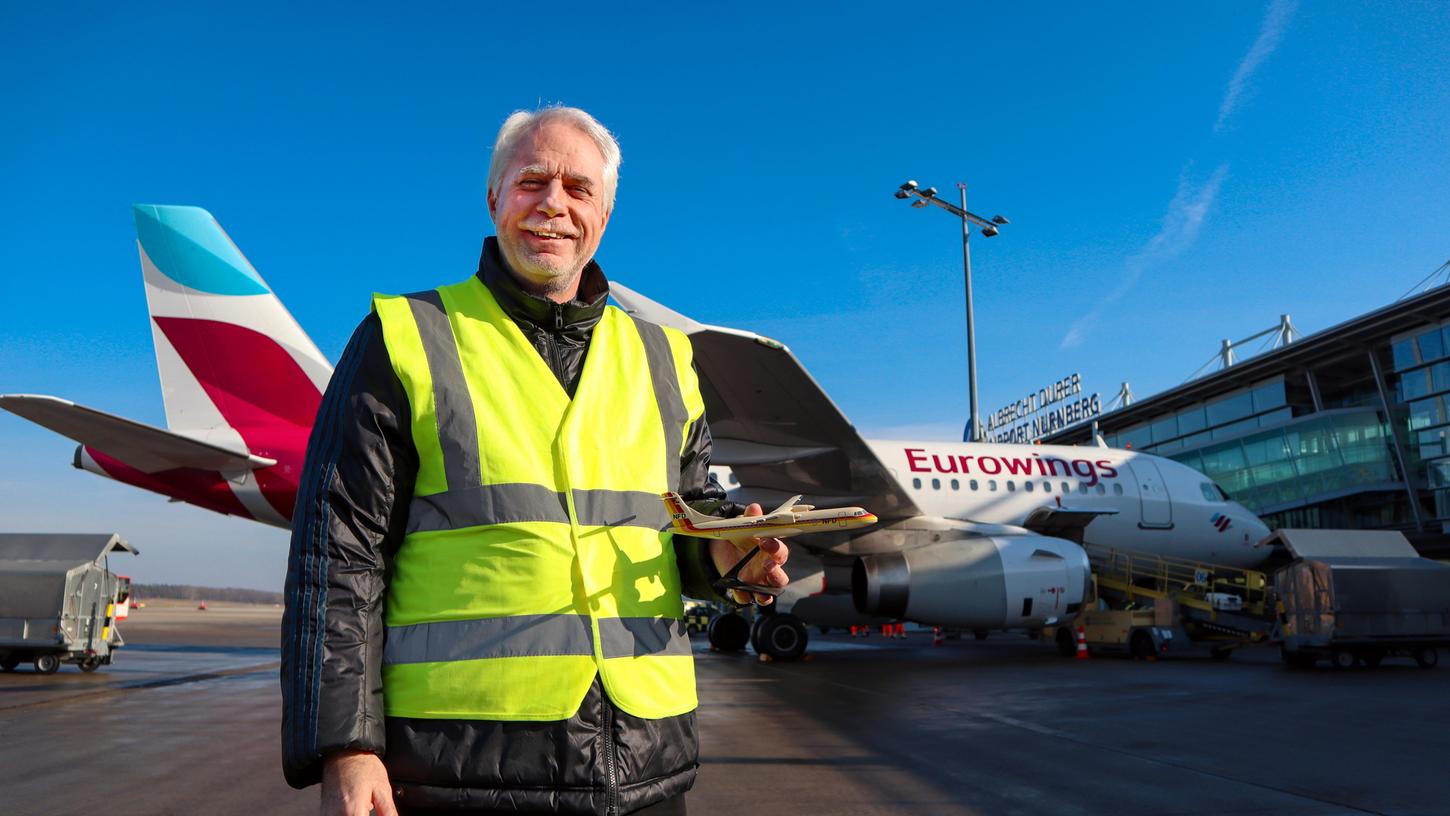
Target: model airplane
[(790, 519)]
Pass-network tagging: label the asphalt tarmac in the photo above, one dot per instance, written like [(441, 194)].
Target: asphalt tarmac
[(186, 722)]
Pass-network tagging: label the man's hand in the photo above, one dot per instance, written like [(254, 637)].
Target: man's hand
[(355, 783), (763, 570)]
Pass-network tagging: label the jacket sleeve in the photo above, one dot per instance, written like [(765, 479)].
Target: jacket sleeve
[(351, 510), (703, 491)]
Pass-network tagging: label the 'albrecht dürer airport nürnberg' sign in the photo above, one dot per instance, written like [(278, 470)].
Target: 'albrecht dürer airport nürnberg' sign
[(1042, 412)]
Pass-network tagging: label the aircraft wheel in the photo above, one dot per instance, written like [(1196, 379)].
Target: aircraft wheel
[(782, 636), (1342, 660), (1066, 642), (90, 664), (979, 634), (760, 618), (1427, 657), (9, 662), (47, 664), (1141, 646), (728, 632)]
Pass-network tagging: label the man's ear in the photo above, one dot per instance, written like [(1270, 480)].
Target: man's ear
[(492, 205)]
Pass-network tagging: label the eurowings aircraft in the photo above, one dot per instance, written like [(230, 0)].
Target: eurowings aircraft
[(240, 380), (971, 535)]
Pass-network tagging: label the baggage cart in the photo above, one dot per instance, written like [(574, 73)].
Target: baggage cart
[(59, 601), (1359, 596)]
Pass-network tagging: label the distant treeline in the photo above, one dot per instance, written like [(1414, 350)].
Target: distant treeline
[(196, 593)]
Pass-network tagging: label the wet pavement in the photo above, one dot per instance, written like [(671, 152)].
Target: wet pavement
[(863, 727)]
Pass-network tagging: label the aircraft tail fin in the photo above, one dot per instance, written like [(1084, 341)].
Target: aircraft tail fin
[(684, 517), (230, 355)]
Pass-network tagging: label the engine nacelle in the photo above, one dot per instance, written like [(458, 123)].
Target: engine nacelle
[(976, 582)]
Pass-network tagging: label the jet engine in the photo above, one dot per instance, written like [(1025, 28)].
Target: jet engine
[(975, 582)]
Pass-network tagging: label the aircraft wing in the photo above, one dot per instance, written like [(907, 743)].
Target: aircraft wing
[(143, 447), (1063, 522), (772, 423)]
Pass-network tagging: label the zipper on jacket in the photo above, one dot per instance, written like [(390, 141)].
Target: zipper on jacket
[(611, 773), (555, 361)]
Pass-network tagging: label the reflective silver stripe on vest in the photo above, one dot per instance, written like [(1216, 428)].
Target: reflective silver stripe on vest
[(621, 508), (452, 404), (486, 504), (639, 637), (667, 395), (521, 502), (515, 636)]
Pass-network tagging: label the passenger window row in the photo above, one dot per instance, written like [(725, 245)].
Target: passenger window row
[(1010, 485)]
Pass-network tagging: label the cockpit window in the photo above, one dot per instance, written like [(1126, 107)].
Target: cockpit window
[(1213, 492)]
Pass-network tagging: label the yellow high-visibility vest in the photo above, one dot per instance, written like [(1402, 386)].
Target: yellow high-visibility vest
[(536, 552)]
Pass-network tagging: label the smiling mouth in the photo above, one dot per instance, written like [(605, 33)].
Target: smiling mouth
[(543, 233)]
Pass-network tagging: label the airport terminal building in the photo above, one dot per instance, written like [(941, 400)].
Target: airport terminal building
[(1345, 428)]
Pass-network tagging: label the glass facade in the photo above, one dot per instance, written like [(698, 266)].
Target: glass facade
[(1262, 406), (1317, 455), (1422, 385)]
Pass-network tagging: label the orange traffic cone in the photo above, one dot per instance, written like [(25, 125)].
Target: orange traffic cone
[(1082, 650), (936, 636), (201, 606)]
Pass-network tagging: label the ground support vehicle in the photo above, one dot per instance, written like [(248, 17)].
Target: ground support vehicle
[(59, 601), (1149, 606), (1359, 596)]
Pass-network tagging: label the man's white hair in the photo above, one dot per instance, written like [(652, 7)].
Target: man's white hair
[(522, 123)]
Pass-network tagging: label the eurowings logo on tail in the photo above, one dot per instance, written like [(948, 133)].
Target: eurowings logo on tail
[(240, 381)]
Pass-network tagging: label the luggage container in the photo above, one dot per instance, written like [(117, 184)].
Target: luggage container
[(1359, 596), (59, 601)]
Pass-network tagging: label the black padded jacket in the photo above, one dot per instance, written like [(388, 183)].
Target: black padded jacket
[(351, 512)]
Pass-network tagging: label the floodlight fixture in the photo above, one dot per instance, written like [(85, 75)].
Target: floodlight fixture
[(989, 230)]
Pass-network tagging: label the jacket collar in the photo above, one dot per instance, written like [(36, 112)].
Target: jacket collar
[(579, 314)]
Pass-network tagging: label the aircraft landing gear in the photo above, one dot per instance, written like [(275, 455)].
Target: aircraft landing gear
[(728, 632), (782, 636)]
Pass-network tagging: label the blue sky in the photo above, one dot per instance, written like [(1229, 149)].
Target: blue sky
[(1174, 174)]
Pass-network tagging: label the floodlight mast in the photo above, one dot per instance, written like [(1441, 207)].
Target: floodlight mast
[(989, 228)]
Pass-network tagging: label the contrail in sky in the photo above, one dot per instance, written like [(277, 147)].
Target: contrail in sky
[(1181, 225), (1275, 21), (1190, 205)]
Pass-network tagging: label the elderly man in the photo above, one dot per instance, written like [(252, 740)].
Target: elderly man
[(483, 613)]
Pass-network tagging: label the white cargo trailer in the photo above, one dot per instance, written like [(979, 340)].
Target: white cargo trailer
[(59, 601)]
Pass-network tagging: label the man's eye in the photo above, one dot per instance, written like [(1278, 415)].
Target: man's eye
[(531, 184)]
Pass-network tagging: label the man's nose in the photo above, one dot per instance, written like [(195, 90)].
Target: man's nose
[(554, 203)]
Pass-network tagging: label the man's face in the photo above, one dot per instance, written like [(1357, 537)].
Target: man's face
[(549, 210)]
